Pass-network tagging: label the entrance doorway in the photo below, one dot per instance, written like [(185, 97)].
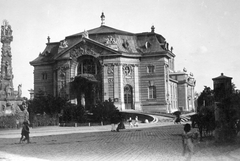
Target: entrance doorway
[(128, 97)]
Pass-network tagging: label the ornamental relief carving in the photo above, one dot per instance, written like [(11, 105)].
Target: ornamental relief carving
[(127, 71), (62, 70), (110, 70), (6, 51), (111, 42), (79, 51), (63, 67), (129, 81), (75, 53), (110, 81), (111, 64)]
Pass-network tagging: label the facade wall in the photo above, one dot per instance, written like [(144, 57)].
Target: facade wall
[(157, 79), (170, 95), (62, 79), (182, 96), (173, 97), (191, 104), (43, 79), (115, 80)]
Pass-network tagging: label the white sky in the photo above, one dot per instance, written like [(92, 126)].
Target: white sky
[(205, 34)]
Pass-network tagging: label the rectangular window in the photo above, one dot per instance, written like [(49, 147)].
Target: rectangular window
[(150, 69), (44, 76), (151, 92)]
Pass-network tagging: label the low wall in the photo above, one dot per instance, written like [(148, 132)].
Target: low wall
[(154, 108)]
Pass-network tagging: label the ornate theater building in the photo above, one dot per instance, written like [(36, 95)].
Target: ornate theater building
[(134, 70)]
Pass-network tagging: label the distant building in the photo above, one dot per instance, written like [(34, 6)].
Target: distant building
[(135, 70), (222, 87)]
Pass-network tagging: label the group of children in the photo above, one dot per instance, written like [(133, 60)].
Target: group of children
[(25, 132), (135, 123)]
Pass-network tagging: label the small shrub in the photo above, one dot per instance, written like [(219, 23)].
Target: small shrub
[(103, 111)]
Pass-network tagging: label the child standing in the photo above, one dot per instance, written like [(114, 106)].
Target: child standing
[(136, 121), (130, 122), (187, 139)]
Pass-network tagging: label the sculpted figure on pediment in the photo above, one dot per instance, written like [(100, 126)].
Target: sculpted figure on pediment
[(110, 40), (63, 44), (85, 34), (125, 44)]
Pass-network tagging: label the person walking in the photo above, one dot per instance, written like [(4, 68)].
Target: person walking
[(187, 140), (25, 132)]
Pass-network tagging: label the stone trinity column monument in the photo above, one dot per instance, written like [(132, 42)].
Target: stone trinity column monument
[(9, 99)]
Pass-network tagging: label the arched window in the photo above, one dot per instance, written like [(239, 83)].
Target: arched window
[(151, 92), (87, 66)]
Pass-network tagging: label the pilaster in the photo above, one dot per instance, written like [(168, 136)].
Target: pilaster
[(121, 87), (116, 86), (105, 83), (136, 89)]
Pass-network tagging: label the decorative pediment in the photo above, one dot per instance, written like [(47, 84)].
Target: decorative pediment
[(86, 46)]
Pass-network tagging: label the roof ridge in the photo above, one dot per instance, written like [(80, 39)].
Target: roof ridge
[(102, 29)]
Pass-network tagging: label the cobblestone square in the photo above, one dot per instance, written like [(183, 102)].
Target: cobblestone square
[(136, 144)]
